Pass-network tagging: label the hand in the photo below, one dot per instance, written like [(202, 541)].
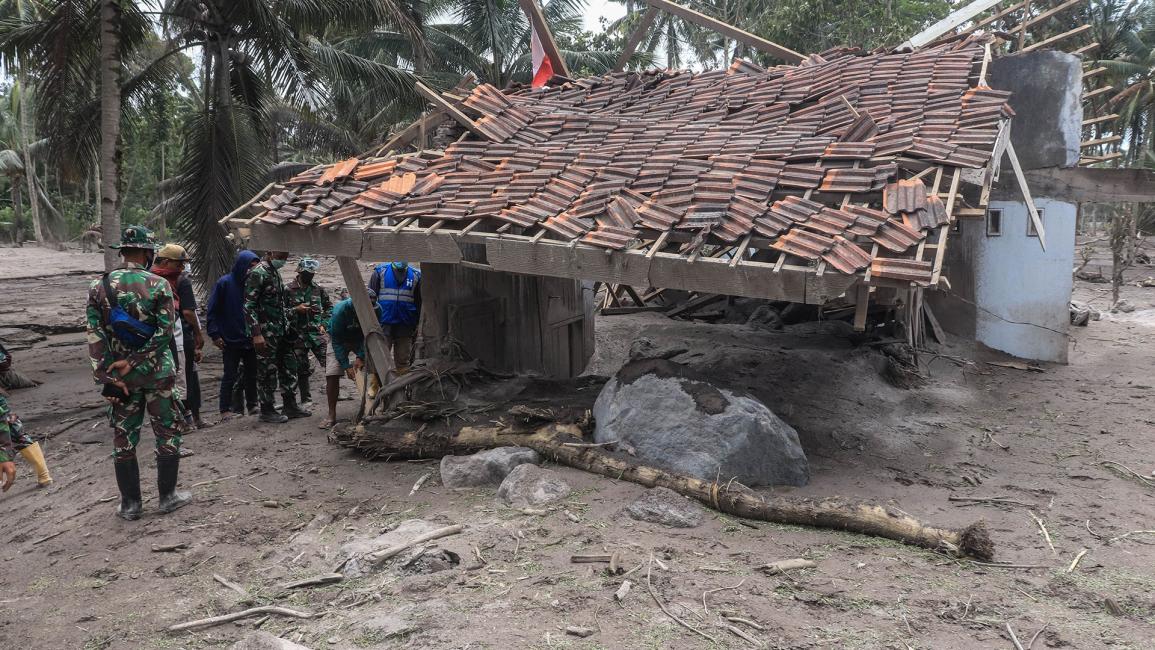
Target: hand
[(301, 308), (7, 474), (219, 342), (122, 386), (119, 368), (358, 363), (351, 374), (198, 355), (259, 343), (200, 342)]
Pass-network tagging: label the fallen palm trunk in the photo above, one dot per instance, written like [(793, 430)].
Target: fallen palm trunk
[(730, 498)]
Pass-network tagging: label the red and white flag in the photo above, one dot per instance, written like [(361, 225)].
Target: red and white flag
[(542, 68)]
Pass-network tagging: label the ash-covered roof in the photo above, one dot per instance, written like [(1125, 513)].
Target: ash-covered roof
[(825, 162)]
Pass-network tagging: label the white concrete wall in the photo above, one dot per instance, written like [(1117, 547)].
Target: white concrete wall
[(1016, 280)]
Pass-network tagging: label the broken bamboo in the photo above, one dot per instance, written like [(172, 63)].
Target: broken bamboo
[(730, 498)]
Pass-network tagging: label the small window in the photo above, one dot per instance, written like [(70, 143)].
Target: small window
[(994, 223), (1031, 230)]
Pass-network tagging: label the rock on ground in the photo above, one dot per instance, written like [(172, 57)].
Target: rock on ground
[(489, 467), (530, 485), (666, 507), (265, 641), (679, 422)]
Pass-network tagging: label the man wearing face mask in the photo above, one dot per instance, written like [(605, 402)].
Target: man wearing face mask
[(398, 289), (130, 319), (311, 308), (267, 317), (170, 265)]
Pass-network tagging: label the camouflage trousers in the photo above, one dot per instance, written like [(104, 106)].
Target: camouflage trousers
[(276, 366), (11, 429), (302, 350), (164, 413)]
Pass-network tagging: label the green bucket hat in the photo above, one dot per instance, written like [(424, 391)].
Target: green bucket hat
[(308, 265), (136, 237)]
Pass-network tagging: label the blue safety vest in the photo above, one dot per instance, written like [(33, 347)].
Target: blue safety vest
[(398, 304)]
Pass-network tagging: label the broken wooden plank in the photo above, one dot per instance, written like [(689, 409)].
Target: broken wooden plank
[(545, 36), (442, 103), (756, 42), (636, 37), (951, 22)]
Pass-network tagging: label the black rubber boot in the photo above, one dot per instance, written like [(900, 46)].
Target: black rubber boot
[(128, 481), (290, 408), (167, 468), (306, 396), (269, 414)]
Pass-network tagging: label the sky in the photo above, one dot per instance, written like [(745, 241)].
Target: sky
[(596, 9)]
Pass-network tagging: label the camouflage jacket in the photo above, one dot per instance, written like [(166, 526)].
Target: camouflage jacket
[(266, 302), (147, 298), (7, 450), (309, 326)]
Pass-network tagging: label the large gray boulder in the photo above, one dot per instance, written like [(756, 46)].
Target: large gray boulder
[(529, 485), (489, 467), (679, 422)]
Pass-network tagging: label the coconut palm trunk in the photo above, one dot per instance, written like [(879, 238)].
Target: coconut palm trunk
[(110, 127), (26, 137)]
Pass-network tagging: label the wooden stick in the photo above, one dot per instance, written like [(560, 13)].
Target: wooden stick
[(654, 594), (169, 548), (232, 585), (1031, 643), (590, 559), (421, 481), (685, 13), (1043, 528), (236, 616), (384, 554), (1142, 479), (326, 579), (710, 591), (48, 537), (442, 103), (1075, 562), (782, 566), (1014, 639)]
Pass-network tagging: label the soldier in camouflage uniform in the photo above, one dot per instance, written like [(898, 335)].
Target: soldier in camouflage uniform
[(311, 309), (7, 448), (13, 428), (267, 318), (137, 368)]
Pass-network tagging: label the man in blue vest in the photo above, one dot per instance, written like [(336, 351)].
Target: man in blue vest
[(398, 289)]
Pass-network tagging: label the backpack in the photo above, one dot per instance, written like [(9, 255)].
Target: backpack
[(128, 330)]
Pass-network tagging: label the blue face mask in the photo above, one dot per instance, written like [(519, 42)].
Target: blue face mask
[(277, 264)]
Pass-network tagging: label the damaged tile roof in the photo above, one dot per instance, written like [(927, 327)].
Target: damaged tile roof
[(819, 161)]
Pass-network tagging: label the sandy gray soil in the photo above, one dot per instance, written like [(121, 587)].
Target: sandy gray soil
[(75, 576)]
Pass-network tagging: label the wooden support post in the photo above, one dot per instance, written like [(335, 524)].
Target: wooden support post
[(636, 38), (756, 42), (375, 346), (861, 306), (1022, 181), (440, 102), (545, 36)]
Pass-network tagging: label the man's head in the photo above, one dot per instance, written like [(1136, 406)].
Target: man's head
[(277, 258), (137, 244), (306, 269), (171, 257)]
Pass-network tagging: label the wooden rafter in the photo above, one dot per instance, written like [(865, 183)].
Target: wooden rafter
[(636, 38), (1058, 37), (443, 104), (1098, 91), (951, 22), (756, 42), (1104, 118), (1021, 179), (1051, 12), (533, 11)]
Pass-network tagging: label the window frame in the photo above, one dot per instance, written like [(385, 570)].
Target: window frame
[(1031, 231), (995, 232)]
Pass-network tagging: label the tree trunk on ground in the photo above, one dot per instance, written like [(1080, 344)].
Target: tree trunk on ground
[(26, 138), (730, 498), (110, 127)]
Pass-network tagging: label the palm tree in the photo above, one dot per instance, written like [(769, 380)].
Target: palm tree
[(110, 70)]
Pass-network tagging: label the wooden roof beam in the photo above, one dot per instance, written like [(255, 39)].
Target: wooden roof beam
[(1051, 12), (533, 11), (1105, 118), (756, 42), (636, 37), (950, 23), (1058, 37), (1099, 141), (1098, 91), (1086, 48), (443, 104)]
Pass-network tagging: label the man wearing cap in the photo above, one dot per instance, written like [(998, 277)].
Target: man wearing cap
[(267, 317), (398, 289), (170, 264), (345, 338), (130, 318), (311, 309)]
